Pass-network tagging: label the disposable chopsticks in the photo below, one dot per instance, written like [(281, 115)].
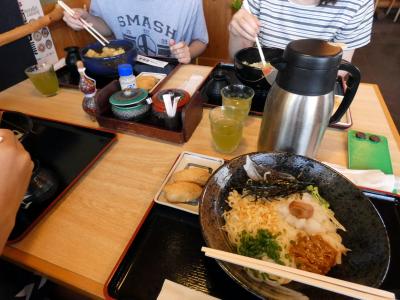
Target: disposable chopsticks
[(260, 51), (324, 282), (97, 35)]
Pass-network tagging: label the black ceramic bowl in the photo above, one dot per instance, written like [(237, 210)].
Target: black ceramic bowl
[(108, 66), (249, 75), (367, 262), (19, 123)]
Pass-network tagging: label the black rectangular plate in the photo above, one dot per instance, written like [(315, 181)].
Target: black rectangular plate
[(66, 79), (68, 151), (168, 245)]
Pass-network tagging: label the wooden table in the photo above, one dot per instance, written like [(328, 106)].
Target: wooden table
[(79, 242)]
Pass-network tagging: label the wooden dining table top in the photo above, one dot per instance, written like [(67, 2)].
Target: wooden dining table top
[(80, 240)]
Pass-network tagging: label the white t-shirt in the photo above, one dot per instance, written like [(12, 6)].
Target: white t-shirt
[(150, 24), (282, 21)]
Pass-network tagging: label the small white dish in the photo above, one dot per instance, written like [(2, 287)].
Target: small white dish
[(159, 76), (187, 160)]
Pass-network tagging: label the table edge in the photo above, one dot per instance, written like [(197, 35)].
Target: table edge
[(386, 111), (72, 280)]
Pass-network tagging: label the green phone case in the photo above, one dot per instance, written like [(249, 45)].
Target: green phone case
[(365, 154)]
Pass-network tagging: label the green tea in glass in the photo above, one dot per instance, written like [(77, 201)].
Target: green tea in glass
[(226, 131), (44, 78), (238, 97)]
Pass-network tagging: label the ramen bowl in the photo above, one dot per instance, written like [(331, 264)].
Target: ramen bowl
[(368, 261), (250, 75), (108, 66)]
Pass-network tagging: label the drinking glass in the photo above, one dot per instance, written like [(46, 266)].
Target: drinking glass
[(44, 78), (226, 131), (237, 97)]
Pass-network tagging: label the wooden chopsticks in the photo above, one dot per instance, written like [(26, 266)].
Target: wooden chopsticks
[(324, 282), (260, 51), (97, 35)]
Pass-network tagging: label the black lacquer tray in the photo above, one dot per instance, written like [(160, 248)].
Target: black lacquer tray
[(167, 246), (257, 105), (68, 151), (66, 79)]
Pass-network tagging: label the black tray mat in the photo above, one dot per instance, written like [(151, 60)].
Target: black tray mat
[(168, 245), (67, 150), (257, 104), (67, 80)]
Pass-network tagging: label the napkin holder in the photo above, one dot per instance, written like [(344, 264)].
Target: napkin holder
[(191, 117)]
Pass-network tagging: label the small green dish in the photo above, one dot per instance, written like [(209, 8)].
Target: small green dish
[(130, 104)]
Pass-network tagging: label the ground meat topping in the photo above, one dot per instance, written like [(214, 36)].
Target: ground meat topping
[(313, 254)]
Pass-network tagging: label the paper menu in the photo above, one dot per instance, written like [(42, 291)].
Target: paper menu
[(41, 42)]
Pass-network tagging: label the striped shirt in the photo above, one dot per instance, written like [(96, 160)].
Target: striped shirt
[(282, 21)]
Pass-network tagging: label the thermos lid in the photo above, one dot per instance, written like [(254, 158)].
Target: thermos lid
[(312, 54)]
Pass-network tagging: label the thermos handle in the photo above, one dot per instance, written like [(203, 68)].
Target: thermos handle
[(352, 85)]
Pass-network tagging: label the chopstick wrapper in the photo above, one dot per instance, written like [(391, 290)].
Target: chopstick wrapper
[(171, 290), (373, 179)]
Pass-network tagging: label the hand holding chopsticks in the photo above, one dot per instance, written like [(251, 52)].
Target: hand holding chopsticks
[(324, 282), (89, 28), (266, 67)]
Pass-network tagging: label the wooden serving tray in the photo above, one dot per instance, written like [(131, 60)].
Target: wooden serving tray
[(150, 127)]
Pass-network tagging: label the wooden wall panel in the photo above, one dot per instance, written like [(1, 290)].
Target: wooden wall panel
[(218, 14)]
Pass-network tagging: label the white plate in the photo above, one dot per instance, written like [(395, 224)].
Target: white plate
[(159, 76), (185, 160)]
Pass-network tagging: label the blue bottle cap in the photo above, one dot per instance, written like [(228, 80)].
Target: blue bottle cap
[(125, 70)]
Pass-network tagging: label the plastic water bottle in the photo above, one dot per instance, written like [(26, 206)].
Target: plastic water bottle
[(126, 78)]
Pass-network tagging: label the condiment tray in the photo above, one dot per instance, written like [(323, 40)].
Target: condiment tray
[(188, 160)]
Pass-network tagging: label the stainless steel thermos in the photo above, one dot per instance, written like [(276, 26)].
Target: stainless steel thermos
[(299, 104)]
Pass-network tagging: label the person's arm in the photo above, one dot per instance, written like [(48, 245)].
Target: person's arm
[(347, 55), (243, 29), (185, 53), (15, 173), (97, 22)]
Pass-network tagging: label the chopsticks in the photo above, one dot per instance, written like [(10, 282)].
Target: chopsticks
[(89, 28), (264, 63), (324, 282)]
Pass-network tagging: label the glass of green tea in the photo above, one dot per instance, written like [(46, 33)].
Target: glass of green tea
[(226, 131), (238, 97), (44, 78)]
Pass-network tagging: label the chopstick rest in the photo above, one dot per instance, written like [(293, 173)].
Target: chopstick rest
[(324, 282)]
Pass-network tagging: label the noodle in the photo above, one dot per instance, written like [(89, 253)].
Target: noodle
[(270, 224)]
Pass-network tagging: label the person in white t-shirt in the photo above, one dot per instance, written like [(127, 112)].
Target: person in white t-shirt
[(278, 22), (156, 27)]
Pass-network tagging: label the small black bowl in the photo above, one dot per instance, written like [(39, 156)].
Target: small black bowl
[(249, 75), (17, 122)]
